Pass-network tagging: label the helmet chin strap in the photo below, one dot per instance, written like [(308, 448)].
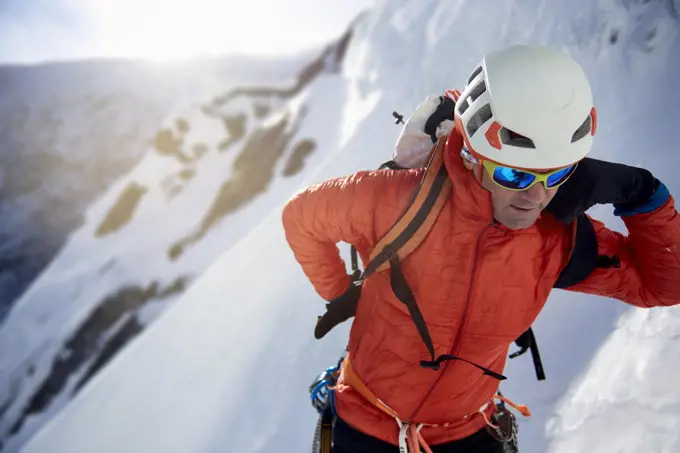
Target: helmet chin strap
[(480, 169)]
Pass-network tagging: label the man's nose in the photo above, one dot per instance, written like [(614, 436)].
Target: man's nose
[(536, 194)]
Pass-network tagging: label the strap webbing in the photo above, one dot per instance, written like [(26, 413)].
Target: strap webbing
[(412, 227), (355, 260), (527, 341), (538, 364), (403, 292)]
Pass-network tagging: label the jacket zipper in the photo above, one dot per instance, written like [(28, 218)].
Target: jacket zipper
[(455, 346)]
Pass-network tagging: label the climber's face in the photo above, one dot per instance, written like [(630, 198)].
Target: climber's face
[(516, 209)]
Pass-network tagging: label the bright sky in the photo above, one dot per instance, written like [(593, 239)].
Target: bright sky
[(42, 30)]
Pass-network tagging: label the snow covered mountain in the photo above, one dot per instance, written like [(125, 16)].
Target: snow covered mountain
[(68, 130), (234, 135), (64, 137), (226, 367)]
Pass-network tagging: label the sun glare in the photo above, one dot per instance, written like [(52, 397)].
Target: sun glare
[(164, 30)]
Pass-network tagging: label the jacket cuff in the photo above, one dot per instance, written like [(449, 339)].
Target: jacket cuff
[(658, 199)]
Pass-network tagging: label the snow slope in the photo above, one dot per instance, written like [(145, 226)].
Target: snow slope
[(68, 130), (226, 368), (233, 146), (64, 137)]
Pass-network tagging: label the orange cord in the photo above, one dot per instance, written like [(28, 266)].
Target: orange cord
[(416, 440), (488, 422), (423, 444), (413, 439), (520, 407)]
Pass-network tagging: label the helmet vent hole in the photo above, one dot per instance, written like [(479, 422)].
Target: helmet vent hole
[(512, 138), (480, 117), (474, 74), (471, 97), (583, 130), (477, 92)]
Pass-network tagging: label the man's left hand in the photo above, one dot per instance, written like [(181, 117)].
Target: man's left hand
[(600, 182)]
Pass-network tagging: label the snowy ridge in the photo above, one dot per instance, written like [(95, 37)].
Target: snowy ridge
[(227, 366)]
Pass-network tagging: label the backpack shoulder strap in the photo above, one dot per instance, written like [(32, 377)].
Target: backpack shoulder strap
[(404, 237), (527, 341), (413, 226)]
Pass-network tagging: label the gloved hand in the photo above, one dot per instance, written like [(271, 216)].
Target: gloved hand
[(432, 118), (443, 112), (600, 182), (341, 308)]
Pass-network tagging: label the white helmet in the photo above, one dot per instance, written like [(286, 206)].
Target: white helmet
[(527, 107)]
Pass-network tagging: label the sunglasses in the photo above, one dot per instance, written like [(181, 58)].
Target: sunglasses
[(515, 179)]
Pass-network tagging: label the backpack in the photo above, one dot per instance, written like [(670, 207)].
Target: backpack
[(421, 143)]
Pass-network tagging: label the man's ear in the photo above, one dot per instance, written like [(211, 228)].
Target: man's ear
[(469, 161), (468, 165)]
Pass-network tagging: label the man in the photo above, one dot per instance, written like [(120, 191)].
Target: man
[(520, 179)]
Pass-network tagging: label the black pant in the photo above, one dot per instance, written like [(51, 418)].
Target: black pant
[(348, 440)]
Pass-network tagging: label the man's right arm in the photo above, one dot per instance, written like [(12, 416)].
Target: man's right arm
[(338, 210)]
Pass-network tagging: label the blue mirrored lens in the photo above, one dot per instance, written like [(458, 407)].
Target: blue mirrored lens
[(512, 178), (559, 176)]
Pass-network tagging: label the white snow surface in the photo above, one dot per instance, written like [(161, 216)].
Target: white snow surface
[(226, 365), (177, 192)]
